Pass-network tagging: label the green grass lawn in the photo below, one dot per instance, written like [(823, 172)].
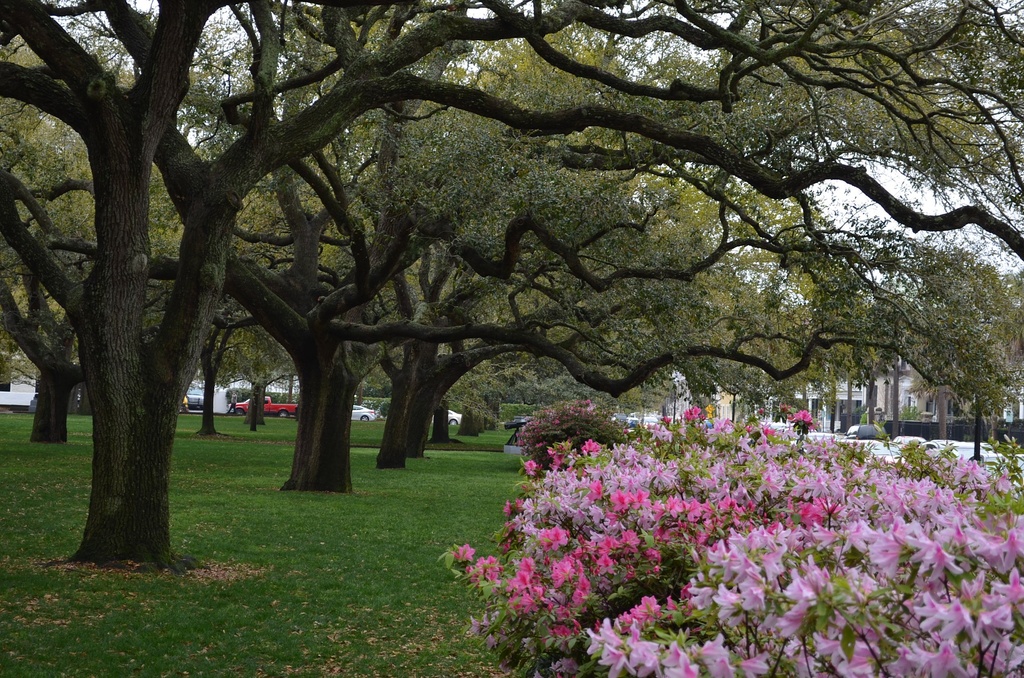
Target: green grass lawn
[(364, 433), (291, 583)]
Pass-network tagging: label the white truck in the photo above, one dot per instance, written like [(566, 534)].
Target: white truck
[(17, 401)]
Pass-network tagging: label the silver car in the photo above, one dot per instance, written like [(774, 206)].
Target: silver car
[(360, 413)]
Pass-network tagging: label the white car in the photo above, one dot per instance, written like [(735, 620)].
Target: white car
[(885, 450), (963, 449), (454, 418), (360, 413), (646, 419)]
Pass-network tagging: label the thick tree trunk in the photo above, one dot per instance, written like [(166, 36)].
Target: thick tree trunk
[(405, 431), (209, 362), (471, 424), (418, 387), (129, 517), (872, 398), (254, 415), (50, 424), (414, 396), (135, 392), (322, 460), (209, 425), (136, 376), (439, 431), (322, 443)]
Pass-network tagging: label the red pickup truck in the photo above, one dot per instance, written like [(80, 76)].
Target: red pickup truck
[(270, 409)]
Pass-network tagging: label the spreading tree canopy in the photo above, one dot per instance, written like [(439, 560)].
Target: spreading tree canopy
[(761, 108)]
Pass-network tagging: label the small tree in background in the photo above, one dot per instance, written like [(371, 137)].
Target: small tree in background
[(576, 421)]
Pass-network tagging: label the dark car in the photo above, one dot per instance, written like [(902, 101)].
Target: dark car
[(864, 432), (628, 420)]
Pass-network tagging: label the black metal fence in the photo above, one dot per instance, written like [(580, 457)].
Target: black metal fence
[(956, 429)]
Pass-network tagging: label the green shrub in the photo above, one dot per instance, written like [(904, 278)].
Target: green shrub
[(910, 413), (575, 421)]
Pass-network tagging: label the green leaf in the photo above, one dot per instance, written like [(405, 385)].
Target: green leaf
[(848, 640)]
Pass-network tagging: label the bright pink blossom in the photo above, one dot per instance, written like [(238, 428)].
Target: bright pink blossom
[(805, 558)]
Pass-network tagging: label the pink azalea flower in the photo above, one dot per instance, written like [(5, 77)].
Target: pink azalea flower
[(729, 603), (803, 417), (659, 432), (693, 414), (715, 658), (564, 570), (464, 553), (771, 531), (995, 624), (948, 619), (620, 501), (811, 513), (579, 596), (1013, 591), (885, 552), (1003, 550), (647, 610), (605, 564), (755, 666), (674, 506), (943, 664), (933, 557), (792, 621), (552, 538), (677, 664)]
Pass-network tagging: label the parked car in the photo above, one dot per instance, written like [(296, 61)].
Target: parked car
[(628, 420), (864, 432), (887, 450), (963, 449), (454, 418), (360, 413), (647, 419), (270, 408)]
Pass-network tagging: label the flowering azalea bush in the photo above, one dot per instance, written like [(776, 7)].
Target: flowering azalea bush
[(575, 421), (727, 550)]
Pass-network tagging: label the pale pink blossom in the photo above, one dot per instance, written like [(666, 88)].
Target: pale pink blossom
[(677, 664)]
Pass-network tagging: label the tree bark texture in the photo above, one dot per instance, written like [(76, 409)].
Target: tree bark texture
[(405, 431), (254, 415), (322, 459), (210, 359), (439, 431), (471, 425), (50, 424), (129, 517), (413, 385)]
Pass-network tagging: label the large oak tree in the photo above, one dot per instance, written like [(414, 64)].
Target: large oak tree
[(780, 99)]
